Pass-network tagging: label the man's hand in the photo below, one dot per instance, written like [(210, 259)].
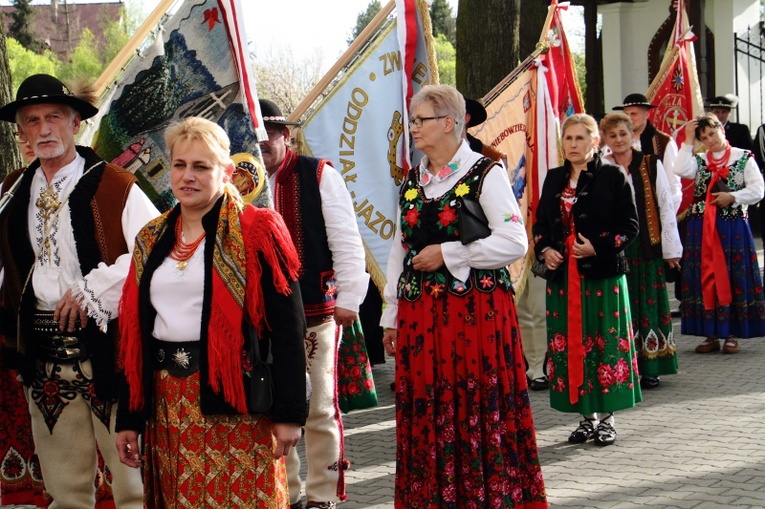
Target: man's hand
[(127, 446), (68, 311), (345, 317), (287, 435)]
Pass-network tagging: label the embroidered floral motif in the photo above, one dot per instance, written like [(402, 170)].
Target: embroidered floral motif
[(462, 189), (619, 240), (182, 358), (411, 194), (447, 216), (513, 218)]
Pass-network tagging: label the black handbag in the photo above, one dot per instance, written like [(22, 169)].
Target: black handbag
[(473, 223), (539, 268), (261, 388)]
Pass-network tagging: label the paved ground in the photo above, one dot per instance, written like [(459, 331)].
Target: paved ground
[(696, 442)]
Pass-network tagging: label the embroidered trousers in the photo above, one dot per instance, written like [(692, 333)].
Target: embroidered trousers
[(67, 423), (532, 318), (324, 445)]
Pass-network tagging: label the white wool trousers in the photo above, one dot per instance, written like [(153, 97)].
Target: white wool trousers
[(59, 398), (323, 432)]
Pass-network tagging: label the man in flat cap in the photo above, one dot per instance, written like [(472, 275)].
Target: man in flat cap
[(66, 238), (312, 198), (738, 135)]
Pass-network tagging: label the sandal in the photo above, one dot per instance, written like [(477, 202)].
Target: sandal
[(605, 434), (730, 346), (709, 345), (584, 432)]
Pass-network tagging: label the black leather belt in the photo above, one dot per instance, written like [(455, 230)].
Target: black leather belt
[(54, 345), (180, 359)]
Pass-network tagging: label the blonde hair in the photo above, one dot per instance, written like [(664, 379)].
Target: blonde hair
[(612, 121), (585, 120), (446, 101), (201, 129)]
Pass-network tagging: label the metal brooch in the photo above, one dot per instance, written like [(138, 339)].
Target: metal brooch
[(182, 358)]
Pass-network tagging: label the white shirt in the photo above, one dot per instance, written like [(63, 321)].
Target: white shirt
[(57, 268), (177, 296), (671, 246), (343, 238), (507, 243), (754, 187)]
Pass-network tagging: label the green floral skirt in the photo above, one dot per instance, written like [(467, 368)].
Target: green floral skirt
[(610, 361)]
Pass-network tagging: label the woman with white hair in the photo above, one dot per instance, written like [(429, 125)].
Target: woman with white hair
[(465, 435)]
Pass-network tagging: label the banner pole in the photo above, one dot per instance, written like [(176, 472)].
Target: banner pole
[(126, 53), (344, 60)]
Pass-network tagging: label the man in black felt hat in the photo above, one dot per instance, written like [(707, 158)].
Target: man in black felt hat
[(66, 238), (312, 198), (738, 135)]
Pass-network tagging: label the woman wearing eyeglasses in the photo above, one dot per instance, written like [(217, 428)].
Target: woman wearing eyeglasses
[(465, 436)]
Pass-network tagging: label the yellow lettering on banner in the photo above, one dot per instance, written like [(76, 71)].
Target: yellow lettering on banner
[(348, 142), (420, 74), (391, 62), (380, 224), (347, 166)]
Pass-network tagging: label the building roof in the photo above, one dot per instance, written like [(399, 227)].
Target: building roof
[(60, 25)]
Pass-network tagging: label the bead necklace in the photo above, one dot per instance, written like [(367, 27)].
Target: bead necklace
[(182, 251), (719, 163)]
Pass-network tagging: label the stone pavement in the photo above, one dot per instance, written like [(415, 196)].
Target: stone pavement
[(696, 442)]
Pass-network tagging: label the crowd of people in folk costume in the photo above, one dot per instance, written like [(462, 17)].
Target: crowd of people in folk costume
[(129, 336)]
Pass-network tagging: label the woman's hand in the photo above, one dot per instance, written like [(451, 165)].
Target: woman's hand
[(389, 341), (287, 435), (583, 247), (690, 131), (552, 258), (674, 263), (127, 446), (723, 199), (429, 259)]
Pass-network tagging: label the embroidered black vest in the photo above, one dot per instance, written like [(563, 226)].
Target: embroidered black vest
[(434, 221), (648, 209), (299, 203), (735, 182)]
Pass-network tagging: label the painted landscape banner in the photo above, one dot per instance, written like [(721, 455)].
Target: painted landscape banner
[(195, 67)]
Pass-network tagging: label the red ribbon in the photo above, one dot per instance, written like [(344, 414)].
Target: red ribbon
[(715, 281), (574, 323)]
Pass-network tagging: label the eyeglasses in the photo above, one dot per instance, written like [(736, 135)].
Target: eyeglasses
[(418, 121)]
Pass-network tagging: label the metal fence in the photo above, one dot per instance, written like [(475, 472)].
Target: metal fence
[(749, 55)]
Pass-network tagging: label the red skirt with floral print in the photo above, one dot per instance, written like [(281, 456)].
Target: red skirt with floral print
[(465, 435)]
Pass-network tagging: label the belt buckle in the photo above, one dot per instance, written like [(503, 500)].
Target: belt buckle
[(64, 341)]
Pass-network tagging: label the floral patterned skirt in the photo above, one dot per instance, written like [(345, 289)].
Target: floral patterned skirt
[(745, 317), (610, 361), (214, 461), (465, 435), (651, 316)]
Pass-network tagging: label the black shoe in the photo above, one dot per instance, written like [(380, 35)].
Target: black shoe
[(675, 313), (649, 382), (605, 434), (584, 432), (297, 505), (539, 384)]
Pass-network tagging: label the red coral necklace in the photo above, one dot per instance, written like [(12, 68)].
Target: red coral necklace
[(183, 251)]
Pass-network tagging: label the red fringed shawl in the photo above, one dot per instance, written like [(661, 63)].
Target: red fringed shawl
[(243, 232)]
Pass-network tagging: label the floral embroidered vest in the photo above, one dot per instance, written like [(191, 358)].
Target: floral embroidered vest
[(735, 182), (427, 221)]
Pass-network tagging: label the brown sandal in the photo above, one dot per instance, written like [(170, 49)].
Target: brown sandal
[(709, 345), (730, 346)]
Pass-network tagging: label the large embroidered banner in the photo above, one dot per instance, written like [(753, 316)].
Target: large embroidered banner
[(195, 67), (360, 122)]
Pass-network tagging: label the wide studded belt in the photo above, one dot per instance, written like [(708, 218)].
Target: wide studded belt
[(54, 345), (180, 359)]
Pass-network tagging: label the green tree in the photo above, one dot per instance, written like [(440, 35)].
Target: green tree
[(24, 63), (446, 56), (21, 27), (84, 63), (364, 18), (9, 152), (118, 33), (488, 45), (444, 21)]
